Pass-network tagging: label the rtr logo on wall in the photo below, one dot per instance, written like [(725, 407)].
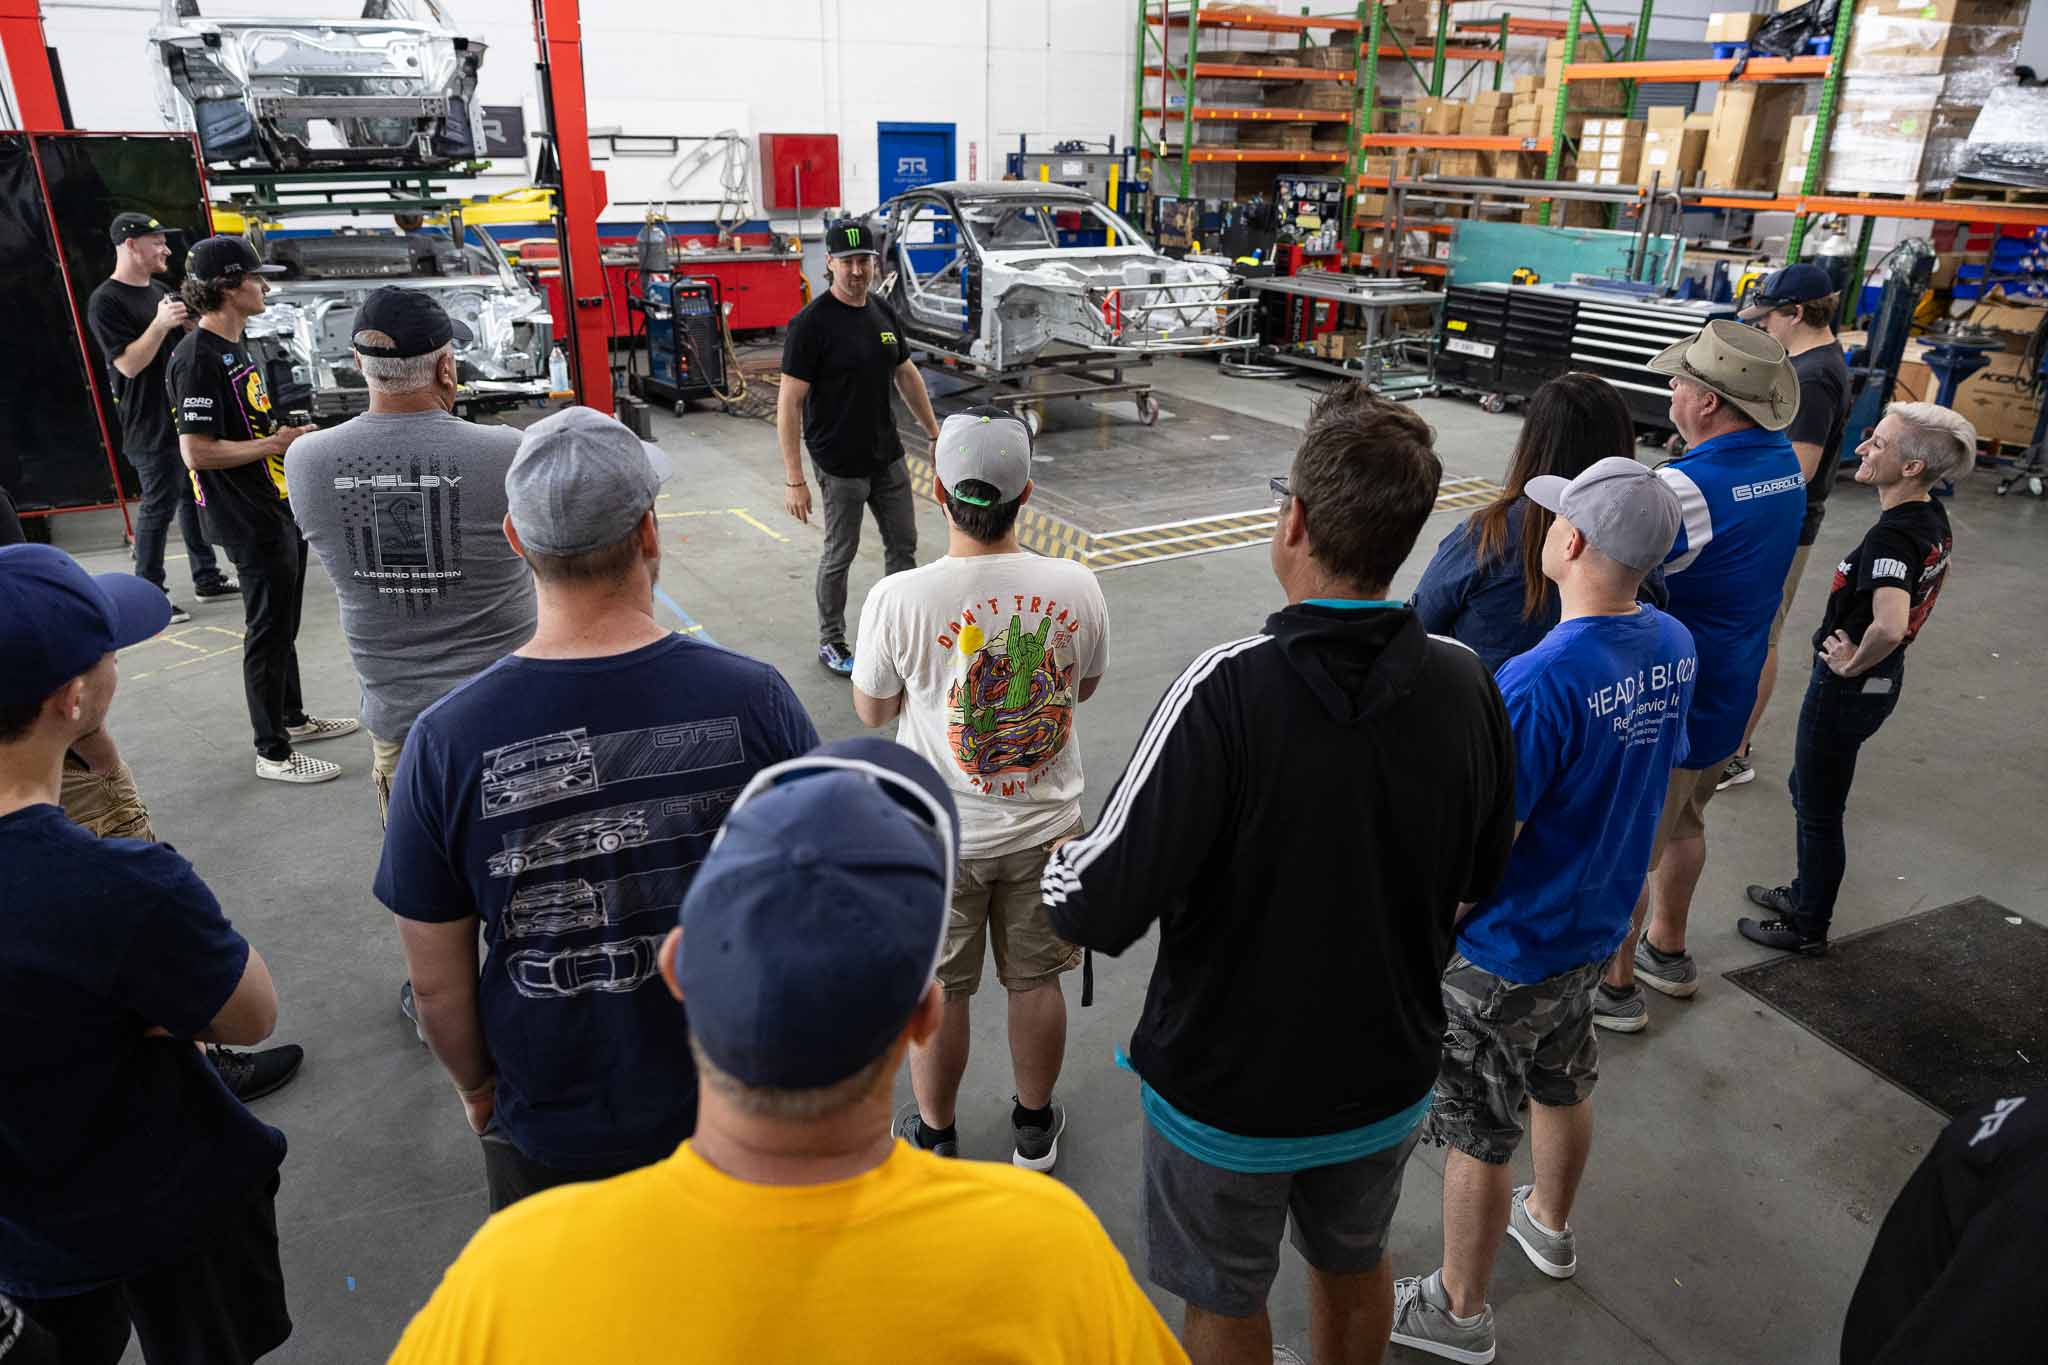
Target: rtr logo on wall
[(912, 165)]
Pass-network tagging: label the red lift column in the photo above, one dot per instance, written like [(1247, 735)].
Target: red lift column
[(28, 65), (579, 200)]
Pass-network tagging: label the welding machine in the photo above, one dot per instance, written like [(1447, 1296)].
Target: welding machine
[(684, 321)]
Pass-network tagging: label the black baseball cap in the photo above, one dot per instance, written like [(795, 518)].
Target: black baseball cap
[(128, 226), (415, 322), (851, 237), (226, 259)]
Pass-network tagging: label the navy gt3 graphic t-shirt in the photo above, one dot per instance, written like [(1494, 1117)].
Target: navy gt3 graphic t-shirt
[(217, 390), (568, 802)]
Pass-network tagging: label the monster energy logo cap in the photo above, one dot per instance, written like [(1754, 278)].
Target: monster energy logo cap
[(986, 445), (850, 237)]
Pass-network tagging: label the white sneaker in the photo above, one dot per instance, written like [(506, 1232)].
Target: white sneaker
[(297, 768), (315, 728)]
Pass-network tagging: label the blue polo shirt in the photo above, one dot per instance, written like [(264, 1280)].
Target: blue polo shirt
[(1598, 711), (1744, 502)]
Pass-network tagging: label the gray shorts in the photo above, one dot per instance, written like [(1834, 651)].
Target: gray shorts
[(1504, 1042), (1212, 1237)]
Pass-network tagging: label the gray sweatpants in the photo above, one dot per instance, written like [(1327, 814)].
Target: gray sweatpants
[(888, 493)]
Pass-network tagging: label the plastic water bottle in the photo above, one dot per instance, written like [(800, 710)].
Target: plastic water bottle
[(558, 369)]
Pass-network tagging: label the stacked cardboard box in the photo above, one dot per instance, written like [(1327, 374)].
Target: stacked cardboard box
[(1734, 26), (1586, 95), (1746, 144), (1487, 113), (1674, 144), (1442, 117), (1611, 151), (1569, 213), (1916, 75), (1798, 153)]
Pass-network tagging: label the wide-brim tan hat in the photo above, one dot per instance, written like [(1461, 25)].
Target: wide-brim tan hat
[(1744, 365)]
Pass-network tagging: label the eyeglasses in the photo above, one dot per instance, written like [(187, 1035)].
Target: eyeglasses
[(1281, 489)]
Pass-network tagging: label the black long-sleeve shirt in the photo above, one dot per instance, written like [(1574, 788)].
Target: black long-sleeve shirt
[(1302, 815)]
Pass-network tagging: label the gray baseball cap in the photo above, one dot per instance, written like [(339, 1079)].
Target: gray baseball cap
[(991, 446), (1629, 514), (581, 481)]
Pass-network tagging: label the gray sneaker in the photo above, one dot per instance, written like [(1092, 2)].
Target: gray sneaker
[(1675, 976), (1422, 1320), (1553, 1253), (1038, 1149), (1630, 1014), (909, 1126)]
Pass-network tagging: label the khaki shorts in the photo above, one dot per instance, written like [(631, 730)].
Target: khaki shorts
[(1685, 806), (996, 900), (1791, 590), (383, 767), (106, 803)]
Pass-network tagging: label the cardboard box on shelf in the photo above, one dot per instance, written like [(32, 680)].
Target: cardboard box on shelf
[(1747, 141), (1408, 117), (1998, 401), (1442, 117), (1798, 151), (1915, 43), (1733, 26), (1485, 120), (1529, 85), (1570, 213), (2016, 322), (1896, 136), (1372, 205), (1673, 149)]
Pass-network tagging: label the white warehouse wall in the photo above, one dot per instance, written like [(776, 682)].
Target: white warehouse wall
[(994, 68)]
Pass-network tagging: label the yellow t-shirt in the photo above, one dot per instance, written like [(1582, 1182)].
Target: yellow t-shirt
[(678, 1263)]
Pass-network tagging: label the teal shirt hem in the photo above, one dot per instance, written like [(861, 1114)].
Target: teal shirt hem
[(1270, 1156), (1347, 603)]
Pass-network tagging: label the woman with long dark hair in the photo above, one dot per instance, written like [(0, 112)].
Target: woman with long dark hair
[(1485, 586)]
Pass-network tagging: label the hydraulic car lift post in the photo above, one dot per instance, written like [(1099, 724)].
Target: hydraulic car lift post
[(579, 198)]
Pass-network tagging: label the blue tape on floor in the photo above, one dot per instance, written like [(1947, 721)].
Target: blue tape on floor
[(690, 623)]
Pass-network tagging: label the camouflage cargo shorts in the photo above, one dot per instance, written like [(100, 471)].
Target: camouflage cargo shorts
[(1505, 1042)]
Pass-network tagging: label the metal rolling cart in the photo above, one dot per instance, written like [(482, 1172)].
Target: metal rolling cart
[(1394, 362)]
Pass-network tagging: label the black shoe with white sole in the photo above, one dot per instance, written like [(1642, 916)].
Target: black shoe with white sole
[(1786, 935)]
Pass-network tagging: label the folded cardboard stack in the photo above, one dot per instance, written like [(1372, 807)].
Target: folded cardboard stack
[(1746, 144)]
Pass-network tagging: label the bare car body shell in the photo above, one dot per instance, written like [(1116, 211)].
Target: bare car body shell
[(978, 270), (311, 313), (386, 89)]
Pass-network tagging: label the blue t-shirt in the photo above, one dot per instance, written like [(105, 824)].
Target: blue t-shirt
[(568, 802), (1480, 604), (1599, 716), (1744, 503), (117, 1151)]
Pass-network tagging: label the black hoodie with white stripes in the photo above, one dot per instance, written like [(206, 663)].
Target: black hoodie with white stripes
[(1302, 816)]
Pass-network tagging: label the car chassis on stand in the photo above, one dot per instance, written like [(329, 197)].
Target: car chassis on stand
[(987, 281)]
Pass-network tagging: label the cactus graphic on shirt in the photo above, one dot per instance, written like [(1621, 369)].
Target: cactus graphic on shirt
[(1012, 701)]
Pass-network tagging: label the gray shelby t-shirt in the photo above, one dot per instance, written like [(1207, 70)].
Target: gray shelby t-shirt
[(406, 512)]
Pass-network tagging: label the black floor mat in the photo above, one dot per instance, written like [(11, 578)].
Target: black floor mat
[(1950, 1005)]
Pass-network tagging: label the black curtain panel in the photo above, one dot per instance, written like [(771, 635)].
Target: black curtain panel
[(93, 177), (51, 451)]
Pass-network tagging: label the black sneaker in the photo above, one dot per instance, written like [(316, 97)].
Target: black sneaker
[(1783, 934), (220, 587), (179, 616), (1779, 900), (252, 1075), (1038, 1149), (837, 660)]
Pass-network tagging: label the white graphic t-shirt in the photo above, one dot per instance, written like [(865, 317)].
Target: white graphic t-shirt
[(992, 651)]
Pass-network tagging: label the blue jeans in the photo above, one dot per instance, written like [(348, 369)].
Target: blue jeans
[(167, 494), (1837, 716)]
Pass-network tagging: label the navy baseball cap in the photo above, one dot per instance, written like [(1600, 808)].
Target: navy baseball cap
[(814, 925), (57, 620), (1792, 284), (226, 259), (414, 320)]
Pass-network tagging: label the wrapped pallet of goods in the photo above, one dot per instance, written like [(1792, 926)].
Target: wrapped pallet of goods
[(1915, 78)]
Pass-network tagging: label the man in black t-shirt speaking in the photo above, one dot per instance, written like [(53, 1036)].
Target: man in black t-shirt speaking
[(136, 320), (843, 352), (1797, 307), (1881, 598), (235, 449)]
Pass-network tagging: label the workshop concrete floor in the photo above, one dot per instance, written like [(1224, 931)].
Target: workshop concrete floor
[(1741, 1165)]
